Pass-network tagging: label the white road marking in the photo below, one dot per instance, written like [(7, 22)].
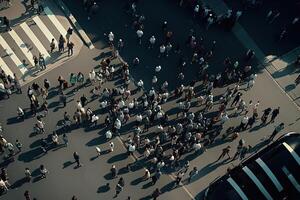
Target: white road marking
[(44, 29), (35, 40), (12, 55), (5, 68), (55, 21), (22, 46)]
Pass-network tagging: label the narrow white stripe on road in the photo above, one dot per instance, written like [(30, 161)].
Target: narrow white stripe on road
[(55, 21), (291, 178), (269, 173), (12, 55), (293, 153), (6, 69), (258, 184), (22, 46), (35, 40), (237, 188), (44, 29)]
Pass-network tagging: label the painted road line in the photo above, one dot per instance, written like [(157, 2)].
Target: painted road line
[(292, 152), (44, 29), (6, 69), (12, 55), (22, 46), (55, 21), (35, 40)]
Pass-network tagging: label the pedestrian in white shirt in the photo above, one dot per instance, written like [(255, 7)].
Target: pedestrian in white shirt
[(196, 10), (111, 38), (139, 34), (151, 42), (111, 146), (157, 68), (162, 50)]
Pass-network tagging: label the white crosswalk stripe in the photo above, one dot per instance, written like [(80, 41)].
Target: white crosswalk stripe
[(22, 46), (5, 68), (55, 21), (35, 40), (12, 55), (44, 29)]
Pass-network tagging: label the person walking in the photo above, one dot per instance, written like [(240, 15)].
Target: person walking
[(52, 45), (179, 177), (27, 174), (83, 100), (113, 171), (156, 194), (69, 34), (43, 171), (162, 50), (225, 151), (236, 99), (151, 42), (265, 115), (139, 34), (42, 62), (76, 158), (244, 122), (27, 195), (192, 174), (70, 46), (65, 139), (63, 98), (274, 114), (111, 146), (18, 145), (277, 129), (119, 188), (111, 38)]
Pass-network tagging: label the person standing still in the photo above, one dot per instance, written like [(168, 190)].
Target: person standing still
[(61, 44), (70, 48), (69, 34), (6, 22)]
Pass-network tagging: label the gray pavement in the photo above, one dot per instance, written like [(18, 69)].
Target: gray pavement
[(88, 181), (32, 35)]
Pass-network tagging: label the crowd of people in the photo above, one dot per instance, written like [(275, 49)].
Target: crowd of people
[(192, 131)]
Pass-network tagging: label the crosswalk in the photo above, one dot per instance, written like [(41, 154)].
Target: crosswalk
[(28, 39)]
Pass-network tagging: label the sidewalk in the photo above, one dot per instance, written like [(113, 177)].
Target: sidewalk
[(280, 69), (285, 72)]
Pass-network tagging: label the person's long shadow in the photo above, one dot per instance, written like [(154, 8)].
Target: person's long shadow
[(207, 169), (103, 188), (31, 155), (118, 157), (67, 164), (137, 181), (14, 120), (97, 141), (19, 183), (147, 185)]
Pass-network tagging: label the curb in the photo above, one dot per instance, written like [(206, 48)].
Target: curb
[(74, 22)]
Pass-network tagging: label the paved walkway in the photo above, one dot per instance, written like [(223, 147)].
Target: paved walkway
[(281, 69)]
